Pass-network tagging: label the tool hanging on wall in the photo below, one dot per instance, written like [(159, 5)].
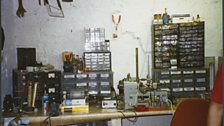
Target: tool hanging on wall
[(67, 0), (20, 11), (45, 2), (54, 11), (116, 19)]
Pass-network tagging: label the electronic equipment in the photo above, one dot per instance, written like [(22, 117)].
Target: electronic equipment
[(109, 104), (53, 86), (28, 88), (136, 94), (26, 57), (8, 103), (130, 94)]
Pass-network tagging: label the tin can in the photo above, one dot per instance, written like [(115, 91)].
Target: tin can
[(45, 104)]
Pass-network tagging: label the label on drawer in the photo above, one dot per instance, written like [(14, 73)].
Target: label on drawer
[(200, 80), (164, 81), (105, 83), (188, 72), (165, 73), (104, 75), (177, 89), (81, 84), (165, 89), (189, 89), (92, 76), (105, 92), (92, 84), (80, 76), (69, 76), (93, 92), (175, 72), (200, 88), (200, 71), (176, 81), (188, 80)]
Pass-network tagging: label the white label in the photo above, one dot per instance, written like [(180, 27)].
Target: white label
[(177, 89), (105, 92), (164, 81), (165, 89), (188, 89), (188, 80), (165, 73), (93, 92), (78, 101), (69, 76), (200, 88), (81, 76), (175, 72), (188, 72), (200, 80), (176, 81), (81, 84), (51, 75), (51, 90), (104, 75), (92, 75), (200, 71), (92, 84), (104, 83), (109, 104)]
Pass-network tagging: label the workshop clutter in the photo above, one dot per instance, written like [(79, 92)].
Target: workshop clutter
[(177, 72), (93, 82)]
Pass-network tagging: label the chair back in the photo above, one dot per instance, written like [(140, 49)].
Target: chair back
[(191, 112)]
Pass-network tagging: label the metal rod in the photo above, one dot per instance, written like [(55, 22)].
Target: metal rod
[(136, 59)]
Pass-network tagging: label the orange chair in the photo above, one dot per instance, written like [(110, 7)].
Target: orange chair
[(191, 112)]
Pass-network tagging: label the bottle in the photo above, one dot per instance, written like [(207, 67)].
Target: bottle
[(198, 18), (165, 17)]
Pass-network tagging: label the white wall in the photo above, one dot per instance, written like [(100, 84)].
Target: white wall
[(51, 36)]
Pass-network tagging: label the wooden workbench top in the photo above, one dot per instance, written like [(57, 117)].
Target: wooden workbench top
[(94, 114)]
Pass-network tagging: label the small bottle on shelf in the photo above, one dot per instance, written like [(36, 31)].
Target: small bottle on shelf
[(166, 17), (198, 18)]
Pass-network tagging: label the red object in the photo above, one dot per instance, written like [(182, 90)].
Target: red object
[(191, 112), (141, 108), (159, 108), (216, 95)]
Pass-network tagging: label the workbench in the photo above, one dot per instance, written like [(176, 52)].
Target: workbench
[(94, 114)]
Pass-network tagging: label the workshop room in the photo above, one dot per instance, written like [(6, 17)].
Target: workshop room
[(111, 62)]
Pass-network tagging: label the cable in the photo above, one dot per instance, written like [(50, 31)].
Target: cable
[(130, 120), (49, 121), (113, 90), (171, 105)]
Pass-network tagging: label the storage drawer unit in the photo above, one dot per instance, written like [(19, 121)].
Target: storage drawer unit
[(178, 45), (97, 61), (183, 82)]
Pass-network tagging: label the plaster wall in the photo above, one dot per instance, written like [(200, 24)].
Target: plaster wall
[(51, 36)]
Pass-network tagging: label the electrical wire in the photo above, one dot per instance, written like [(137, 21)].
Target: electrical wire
[(113, 90), (171, 105), (49, 120), (130, 120)]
